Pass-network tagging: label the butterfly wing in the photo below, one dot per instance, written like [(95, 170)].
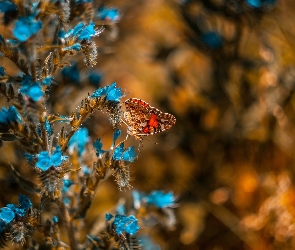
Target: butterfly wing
[(142, 119)]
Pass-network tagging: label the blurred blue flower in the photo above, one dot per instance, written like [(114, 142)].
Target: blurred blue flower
[(45, 161), (160, 199), (6, 214), (121, 209), (66, 200), (31, 89), (71, 73), (67, 184), (260, 3), (55, 219), (84, 1), (212, 39), (47, 80), (120, 153), (9, 115), (2, 71), (85, 170), (148, 244), (29, 157), (7, 6), (25, 27), (94, 78), (111, 92), (128, 224), (79, 140), (108, 14), (2, 226), (136, 199)]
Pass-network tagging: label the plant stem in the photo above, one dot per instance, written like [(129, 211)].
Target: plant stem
[(68, 224)]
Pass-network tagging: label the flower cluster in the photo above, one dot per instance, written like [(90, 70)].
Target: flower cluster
[(10, 115), (46, 34), (17, 221), (123, 223), (111, 92)]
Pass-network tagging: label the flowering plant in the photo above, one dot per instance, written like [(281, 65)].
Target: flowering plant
[(45, 35)]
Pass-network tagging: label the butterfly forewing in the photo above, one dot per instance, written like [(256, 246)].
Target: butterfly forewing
[(143, 119)]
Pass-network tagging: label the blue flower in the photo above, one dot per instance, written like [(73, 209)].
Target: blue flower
[(24, 202), (57, 158), (45, 161), (80, 31), (115, 136), (118, 152), (109, 14), (129, 154), (9, 115), (31, 89), (87, 32), (111, 92), (2, 72), (114, 94), (109, 217), (160, 199), (25, 27), (29, 157), (6, 214), (35, 92), (98, 147), (212, 39), (2, 226), (121, 154), (79, 140), (128, 224), (22, 208), (71, 73), (47, 127)]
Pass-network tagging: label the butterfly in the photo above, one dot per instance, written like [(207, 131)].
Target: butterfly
[(142, 119)]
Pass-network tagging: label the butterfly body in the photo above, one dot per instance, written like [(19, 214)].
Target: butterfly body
[(143, 119)]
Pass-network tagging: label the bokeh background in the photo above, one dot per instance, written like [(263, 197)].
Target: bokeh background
[(226, 70)]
